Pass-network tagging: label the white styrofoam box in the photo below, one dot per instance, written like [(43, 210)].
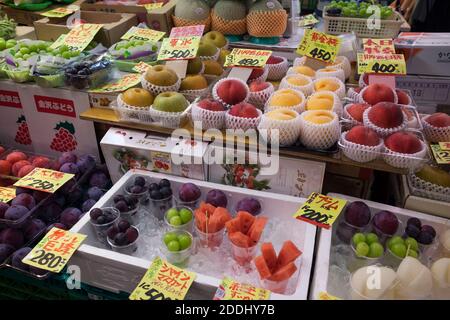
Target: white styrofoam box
[(322, 263), (425, 89), (117, 272), (53, 114), (13, 124), (295, 177), (130, 149)]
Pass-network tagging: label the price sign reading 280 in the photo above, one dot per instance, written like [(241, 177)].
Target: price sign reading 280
[(319, 46)]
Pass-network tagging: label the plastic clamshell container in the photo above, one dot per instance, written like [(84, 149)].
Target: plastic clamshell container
[(321, 274), (116, 272)]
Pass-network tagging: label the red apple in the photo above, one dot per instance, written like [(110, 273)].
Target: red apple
[(403, 97), (244, 110), (378, 92), (440, 120), (256, 86), (363, 135), (256, 73), (356, 110), (403, 142), (386, 115), (211, 105), (274, 60), (232, 91)]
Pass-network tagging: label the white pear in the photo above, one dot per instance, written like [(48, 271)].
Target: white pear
[(415, 280)]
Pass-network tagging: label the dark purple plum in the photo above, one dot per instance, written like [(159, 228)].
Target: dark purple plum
[(189, 192), (112, 231), (68, 186), (12, 237), (153, 186), (85, 163), (75, 195), (139, 181), (386, 222), (39, 195), (123, 225), (87, 205), (165, 192), (164, 183), (345, 232), (95, 193), (136, 189), (357, 214), (415, 222), (412, 231), (67, 157), (122, 206), (3, 208), (18, 257), (100, 180), (131, 234), (429, 229), (56, 225), (217, 198), (120, 239), (50, 213), (70, 168), (16, 212), (60, 200), (425, 238), (119, 197), (5, 251), (70, 216), (101, 220), (25, 200), (95, 213), (131, 201), (20, 190), (33, 229), (250, 205), (156, 195)]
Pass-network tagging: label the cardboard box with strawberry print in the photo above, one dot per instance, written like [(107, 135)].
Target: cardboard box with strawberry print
[(14, 131), (54, 123)]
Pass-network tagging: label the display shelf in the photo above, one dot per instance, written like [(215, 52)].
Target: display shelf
[(108, 116)]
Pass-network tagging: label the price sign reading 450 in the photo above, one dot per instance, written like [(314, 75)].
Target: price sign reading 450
[(320, 210), (44, 180), (319, 46), (54, 251), (247, 58)]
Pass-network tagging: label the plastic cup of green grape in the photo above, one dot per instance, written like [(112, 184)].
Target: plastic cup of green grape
[(177, 246), (179, 218), (367, 250), (398, 248)]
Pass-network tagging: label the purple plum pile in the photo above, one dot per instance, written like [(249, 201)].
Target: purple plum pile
[(424, 234), (161, 190), (125, 203), (122, 234), (102, 216)]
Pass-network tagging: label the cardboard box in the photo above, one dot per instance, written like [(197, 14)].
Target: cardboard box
[(24, 32), (115, 25), (128, 149), (158, 19), (425, 53)]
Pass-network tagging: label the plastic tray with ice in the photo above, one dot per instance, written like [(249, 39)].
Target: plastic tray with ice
[(330, 271), (117, 272)]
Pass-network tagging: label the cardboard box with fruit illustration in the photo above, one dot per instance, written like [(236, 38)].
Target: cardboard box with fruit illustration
[(128, 149)]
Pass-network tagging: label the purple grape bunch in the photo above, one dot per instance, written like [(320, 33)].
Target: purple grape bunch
[(122, 234), (424, 234)]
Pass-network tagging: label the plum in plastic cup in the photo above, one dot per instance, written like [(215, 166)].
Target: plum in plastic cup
[(186, 226), (178, 258), (159, 207), (243, 256), (126, 249), (190, 204), (355, 262), (210, 240), (131, 216), (383, 237), (102, 229), (143, 197)]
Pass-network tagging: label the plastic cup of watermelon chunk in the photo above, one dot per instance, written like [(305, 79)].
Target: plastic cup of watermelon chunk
[(276, 286), (243, 256), (210, 240)]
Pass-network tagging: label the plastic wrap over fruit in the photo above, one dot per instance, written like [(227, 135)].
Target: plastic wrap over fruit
[(134, 50)]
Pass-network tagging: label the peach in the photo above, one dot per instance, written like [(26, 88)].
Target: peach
[(285, 98), (319, 116), (274, 60), (320, 101), (439, 119), (363, 135), (18, 165), (25, 170), (210, 105), (194, 82), (16, 156), (244, 110), (232, 91), (403, 142), (378, 92), (326, 85), (41, 162), (297, 81), (403, 97), (5, 167), (257, 86), (386, 115), (356, 111), (256, 73), (282, 114), (307, 71)]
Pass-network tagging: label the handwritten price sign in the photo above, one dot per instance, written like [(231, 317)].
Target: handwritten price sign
[(441, 156), (233, 290), (320, 210), (163, 281), (79, 37), (179, 48), (247, 58), (122, 84), (147, 35), (141, 67), (444, 146), (152, 6), (61, 11), (308, 20), (319, 46), (188, 31), (44, 180), (7, 194), (378, 46), (382, 63), (54, 251)]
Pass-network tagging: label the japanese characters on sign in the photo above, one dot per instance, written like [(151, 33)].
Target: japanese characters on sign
[(183, 48), (119, 85), (378, 46), (61, 11), (247, 58), (54, 251), (10, 99), (308, 20), (188, 31), (444, 146), (44, 180), (141, 67), (163, 281), (441, 156), (232, 290), (152, 6), (320, 46), (381, 63), (148, 35), (7, 194), (320, 210), (79, 37)]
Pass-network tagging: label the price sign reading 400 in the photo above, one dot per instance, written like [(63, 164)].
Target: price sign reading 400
[(381, 63), (44, 180), (320, 210), (179, 48), (319, 46), (247, 58)]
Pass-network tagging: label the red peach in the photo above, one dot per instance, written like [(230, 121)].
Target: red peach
[(403, 142), (378, 92), (256, 86), (5, 167), (386, 115), (19, 165), (274, 60), (356, 110), (244, 110), (25, 170), (439, 119), (363, 135), (41, 162), (16, 156), (256, 73), (403, 97), (232, 91), (2, 149), (210, 105)]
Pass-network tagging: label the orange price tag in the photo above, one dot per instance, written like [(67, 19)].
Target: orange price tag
[(122, 84), (319, 46), (179, 48), (378, 46), (7, 194), (233, 290), (79, 37), (44, 180)]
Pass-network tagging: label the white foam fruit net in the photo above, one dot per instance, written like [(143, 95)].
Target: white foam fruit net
[(299, 61), (361, 82), (259, 98), (343, 63), (218, 98), (319, 136), (277, 71), (209, 119), (155, 90), (427, 189), (306, 89), (413, 161), (261, 78), (340, 91), (292, 71), (127, 112), (337, 103), (358, 152), (288, 130), (331, 72), (233, 122), (191, 95), (168, 119), (384, 132), (299, 108), (361, 95), (353, 95), (213, 57), (435, 134)]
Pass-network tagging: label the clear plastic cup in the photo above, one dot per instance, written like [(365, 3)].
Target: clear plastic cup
[(127, 249), (243, 256), (275, 286), (191, 204), (102, 229), (159, 207), (209, 240), (355, 262), (387, 294), (383, 237), (391, 259), (428, 250), (142, 197), (345, 231), (187, 226), (440, 291), (179, 258), (131, 216)]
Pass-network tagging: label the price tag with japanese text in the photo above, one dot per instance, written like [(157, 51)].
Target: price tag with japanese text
[(233, 290), (122, 84), (148, 35), (378, 46), (44, 180), (319, 45), (141, 67), (441, 156), (326, 296), (308, 20), (79, 37), (61, 11), (188, 31), (381, 63), (320, 210), (163, 281), (58, 42), (7, 194), (247, 58), (444, 146), (152, 6), (179, 48), (54, 251)]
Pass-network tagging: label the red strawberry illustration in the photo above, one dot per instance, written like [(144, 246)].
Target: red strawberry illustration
[(64, 139), (22, 135)]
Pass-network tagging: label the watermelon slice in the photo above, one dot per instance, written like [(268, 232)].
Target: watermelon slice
[(207, 208), (224, 215), (215, 223), (269, 254), (200, 220), (288, 253), (233, 225), (239, 239), (283, 273), (247, 220), (261, 266), (257, 229)]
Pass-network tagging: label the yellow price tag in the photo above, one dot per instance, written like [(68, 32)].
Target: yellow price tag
[(141, 67), (319, 46), (441, 156), (179, 48), (381, 63), (153, 6), (61, 11), (326, 296), (233, 290), (58, 42), (7, 194), (44, 180), (122, 84), (163, 281), (247, 58), (378, 46), (308, 20), (320, 210), (54, 251), (444, 146), (148, 35), (79, 37)]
